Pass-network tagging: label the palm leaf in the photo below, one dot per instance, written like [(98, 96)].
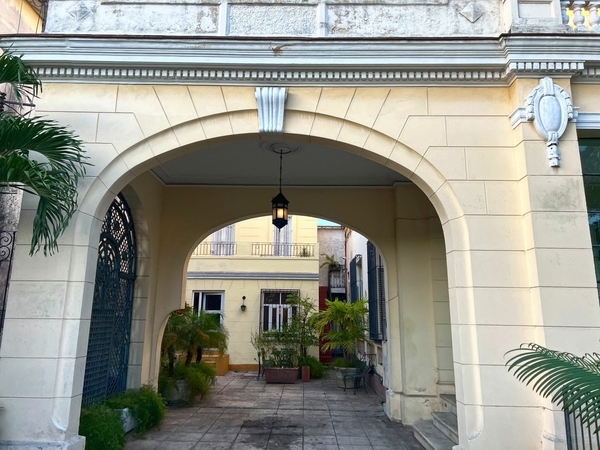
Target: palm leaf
[(20, 77), (568, 380), (40, 157)]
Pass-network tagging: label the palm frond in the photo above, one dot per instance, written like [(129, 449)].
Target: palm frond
[(21, 78), (568, 380), (40, 157)]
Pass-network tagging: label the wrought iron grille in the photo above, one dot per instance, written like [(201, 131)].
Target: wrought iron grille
[(110, 328), (41, 8), (580, 437), (7, 244)]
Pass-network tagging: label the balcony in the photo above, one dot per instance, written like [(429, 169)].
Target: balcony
[(255, 249), (580, 15), (289, 250), (337, 282)]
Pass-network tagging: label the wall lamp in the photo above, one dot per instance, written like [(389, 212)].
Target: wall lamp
[(243, 307)]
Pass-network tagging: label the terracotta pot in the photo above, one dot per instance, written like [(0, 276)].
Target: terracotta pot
[(305, 373), (281, 375)]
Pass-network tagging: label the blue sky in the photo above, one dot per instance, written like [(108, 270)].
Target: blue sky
[(326, 223)]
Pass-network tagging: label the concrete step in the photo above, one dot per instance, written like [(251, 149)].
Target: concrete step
[(430, 437), (446, 422), (448, 403)]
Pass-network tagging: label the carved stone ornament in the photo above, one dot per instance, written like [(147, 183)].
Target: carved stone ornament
[(472, 12), (271, 108), (79, 11), (550, 108)]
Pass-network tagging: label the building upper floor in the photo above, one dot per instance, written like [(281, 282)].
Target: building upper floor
[(256, 246), (315, 18)]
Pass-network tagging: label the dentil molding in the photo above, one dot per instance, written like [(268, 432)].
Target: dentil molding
[(325, 61)]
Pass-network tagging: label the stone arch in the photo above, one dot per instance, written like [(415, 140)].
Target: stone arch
[(360, 139)]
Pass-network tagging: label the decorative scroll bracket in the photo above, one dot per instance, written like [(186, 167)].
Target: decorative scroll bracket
[(550, 108), (271, 108)]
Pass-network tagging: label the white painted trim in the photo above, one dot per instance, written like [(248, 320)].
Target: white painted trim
[(587, 121), (322, 61), (582, 120)]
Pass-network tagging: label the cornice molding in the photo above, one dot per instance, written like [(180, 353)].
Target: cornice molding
[(324, 61)]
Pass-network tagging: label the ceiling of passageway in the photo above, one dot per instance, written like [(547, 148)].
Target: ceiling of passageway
[(249, 164)]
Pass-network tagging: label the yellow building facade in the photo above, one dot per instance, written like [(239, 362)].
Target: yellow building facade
[(252, 263), (448, 134)]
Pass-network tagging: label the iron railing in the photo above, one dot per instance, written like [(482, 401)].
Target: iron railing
[(579, 436), (284, 249), (216, 249), (7, 245), (337, 279)]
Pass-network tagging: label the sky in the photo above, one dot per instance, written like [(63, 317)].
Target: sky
[(326, 223)]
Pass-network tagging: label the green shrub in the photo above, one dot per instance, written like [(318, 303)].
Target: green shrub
[(343, 362), (317, 369), (102, 428), (146, 405), (198, 378)]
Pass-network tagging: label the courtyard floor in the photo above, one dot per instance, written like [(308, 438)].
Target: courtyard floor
[(245, 413)]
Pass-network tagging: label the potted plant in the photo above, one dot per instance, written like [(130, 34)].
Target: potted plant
[(346, 322), (330, 261), (280, 355), (189, 334), (304, 331), (280, 352)]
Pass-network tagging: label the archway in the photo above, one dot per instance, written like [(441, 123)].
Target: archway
[(175, 246)]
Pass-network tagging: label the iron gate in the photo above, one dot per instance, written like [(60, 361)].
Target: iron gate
[(110, 327)]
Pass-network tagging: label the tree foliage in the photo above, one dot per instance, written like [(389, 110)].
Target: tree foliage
[(190, 333), (568, 380), (40, 157), (346, 321)]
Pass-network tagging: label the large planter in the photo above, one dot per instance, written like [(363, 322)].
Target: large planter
[(281, 375), (128, 420), (177, 393), (305, 374), (220, 363)]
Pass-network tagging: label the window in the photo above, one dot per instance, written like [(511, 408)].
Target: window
[(276, 311), (376, 280), (223, 241), (589, 150), (282, 239), (355, 278), (210, 302)]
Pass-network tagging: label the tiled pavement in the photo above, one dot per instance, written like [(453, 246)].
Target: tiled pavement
[(247, 414)]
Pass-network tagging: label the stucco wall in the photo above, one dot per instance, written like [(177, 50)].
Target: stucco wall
[(331, 243), (516, 272), (278, 18), (240, 324), (17, 16)]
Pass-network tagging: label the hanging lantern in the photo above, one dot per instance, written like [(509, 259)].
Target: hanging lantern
[(280, 210), (279, 203)]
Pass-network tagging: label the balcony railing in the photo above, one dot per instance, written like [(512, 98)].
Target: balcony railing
[(226, 248), (581, 15), (337, 281), (216, 249), (271, 249)]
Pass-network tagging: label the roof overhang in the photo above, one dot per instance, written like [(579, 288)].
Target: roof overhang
[(308, 61)]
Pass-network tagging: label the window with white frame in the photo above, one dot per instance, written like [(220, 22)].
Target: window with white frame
[(276, 312), (209, 302), (282, 239), (223, 241)]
